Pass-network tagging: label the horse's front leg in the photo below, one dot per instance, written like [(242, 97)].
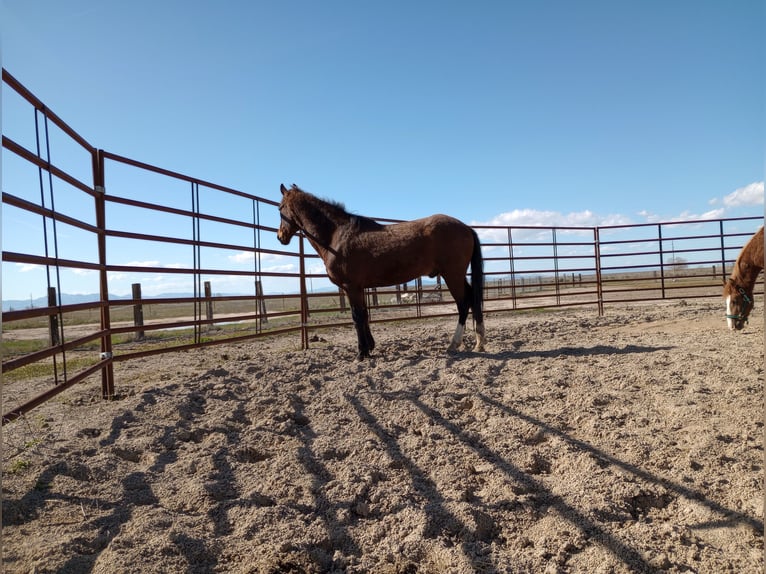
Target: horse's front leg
[(362, 323)]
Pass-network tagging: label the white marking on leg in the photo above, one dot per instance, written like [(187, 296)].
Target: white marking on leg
[(457, 339), (729, 320), (479, 347)]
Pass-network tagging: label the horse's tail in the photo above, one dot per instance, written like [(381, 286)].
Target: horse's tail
[(477, 279)]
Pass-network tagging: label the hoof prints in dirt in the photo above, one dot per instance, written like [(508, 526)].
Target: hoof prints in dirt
[(625, 443)]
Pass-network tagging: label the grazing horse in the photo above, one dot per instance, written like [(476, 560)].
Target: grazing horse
[(738, 288), (360, 252)]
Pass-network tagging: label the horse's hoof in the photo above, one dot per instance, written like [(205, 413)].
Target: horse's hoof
[(478, 349)]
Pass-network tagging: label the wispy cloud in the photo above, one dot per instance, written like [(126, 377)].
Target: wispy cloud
[(242, 257), (538, 218), (249, 256), (26, 267), (153, 263), (142, 264), (289, 268), (544, 219), (683, 216), (751, 194)]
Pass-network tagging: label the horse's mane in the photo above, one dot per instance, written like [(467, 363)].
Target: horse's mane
[(334, 209)]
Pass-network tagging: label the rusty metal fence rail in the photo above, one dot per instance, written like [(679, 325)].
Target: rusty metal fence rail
[(205, 268)]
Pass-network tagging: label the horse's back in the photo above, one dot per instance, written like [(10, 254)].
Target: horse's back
[(399, 252), (438, 224)]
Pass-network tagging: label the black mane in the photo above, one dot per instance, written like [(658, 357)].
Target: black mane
[(337, 209)]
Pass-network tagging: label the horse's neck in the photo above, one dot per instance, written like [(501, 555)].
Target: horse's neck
[(747, 267), (320, 225)]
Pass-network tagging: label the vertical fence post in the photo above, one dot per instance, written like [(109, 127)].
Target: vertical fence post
[(138, 311), (662, 261), (53, 320), (419, 294), (208, 304), (107, 372), (303, 297), (261, 302), (513, 270), (723, 253), (342, 297), (556, 267), (599, 285)]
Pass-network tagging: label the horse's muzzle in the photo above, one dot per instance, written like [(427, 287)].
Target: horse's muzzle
[(737, 325)]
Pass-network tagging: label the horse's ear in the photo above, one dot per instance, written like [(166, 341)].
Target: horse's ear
[(282, 188)]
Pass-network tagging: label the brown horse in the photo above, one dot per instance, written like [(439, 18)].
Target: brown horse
[(738, 289), (360, 253)]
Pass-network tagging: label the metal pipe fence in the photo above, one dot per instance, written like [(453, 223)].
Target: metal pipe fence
[(206, 269)]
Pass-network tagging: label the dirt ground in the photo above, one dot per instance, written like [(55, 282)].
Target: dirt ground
[(577, 443)]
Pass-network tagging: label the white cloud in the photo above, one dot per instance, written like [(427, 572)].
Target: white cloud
[(242, 257), (152, 263), (249, 256), (142, 264), (316, 269), (537, 218), (713, 214), (25, 267), (546, 219), (751, 194), (289, 268), (683, 216)]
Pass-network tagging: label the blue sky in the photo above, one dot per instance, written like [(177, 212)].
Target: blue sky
[(551, 112)]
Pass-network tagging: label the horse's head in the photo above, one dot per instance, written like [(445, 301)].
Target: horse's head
[(287, 226), (739, 303)]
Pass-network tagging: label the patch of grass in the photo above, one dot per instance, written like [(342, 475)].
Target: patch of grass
[(32, 443), (21, 347), (43, 369), (18, 465)]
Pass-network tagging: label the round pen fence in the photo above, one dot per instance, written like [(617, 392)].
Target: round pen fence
[(93, 217)]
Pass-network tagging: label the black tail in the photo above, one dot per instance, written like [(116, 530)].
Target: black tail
[(477, 280)]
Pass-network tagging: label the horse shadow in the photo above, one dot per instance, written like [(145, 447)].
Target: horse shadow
[(568, 351)]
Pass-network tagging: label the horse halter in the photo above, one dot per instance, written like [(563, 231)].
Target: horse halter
[(748, 306), (300, 228)]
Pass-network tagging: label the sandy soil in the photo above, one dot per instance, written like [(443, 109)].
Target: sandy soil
[(576, 443)]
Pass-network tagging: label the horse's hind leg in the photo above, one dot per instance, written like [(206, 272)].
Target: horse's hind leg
[(478, 316), (479, 347), (463, 305)]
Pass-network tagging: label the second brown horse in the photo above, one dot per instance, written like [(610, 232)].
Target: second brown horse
[(359, 252)]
